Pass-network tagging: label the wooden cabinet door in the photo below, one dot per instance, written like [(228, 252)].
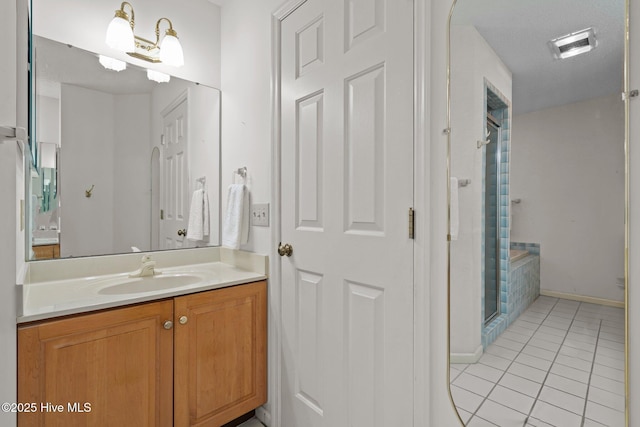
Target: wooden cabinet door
[(120, 362), (220, 355), (43, 252)]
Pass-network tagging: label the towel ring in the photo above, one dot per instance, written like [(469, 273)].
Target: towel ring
[(242, 172)]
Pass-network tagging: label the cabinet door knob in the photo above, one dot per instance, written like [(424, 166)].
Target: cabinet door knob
[(168, 324), (183, 320)]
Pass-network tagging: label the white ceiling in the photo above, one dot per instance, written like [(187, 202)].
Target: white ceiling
[(519, 30)]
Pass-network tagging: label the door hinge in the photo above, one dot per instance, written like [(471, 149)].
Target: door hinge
[(161, 213), (412, 233)]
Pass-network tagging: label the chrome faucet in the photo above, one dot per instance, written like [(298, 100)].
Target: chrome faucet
[(147, 268)]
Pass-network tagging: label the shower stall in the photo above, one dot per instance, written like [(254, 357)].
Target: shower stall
[(492, 220)]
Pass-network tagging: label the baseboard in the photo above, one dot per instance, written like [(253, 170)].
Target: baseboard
[(582, 298), (264, 416), (467, 357)]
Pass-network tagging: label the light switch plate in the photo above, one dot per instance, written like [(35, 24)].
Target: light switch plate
[(260, 214)]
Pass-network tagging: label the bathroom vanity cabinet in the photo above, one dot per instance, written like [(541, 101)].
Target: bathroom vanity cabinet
[(198, 359), (46, 251)]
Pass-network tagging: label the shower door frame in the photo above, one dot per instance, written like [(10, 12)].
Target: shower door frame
[(493, 124)]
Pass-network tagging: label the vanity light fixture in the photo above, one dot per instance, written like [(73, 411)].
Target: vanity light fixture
[(120, 36), (157, 76), (574, 44), (112, 63)]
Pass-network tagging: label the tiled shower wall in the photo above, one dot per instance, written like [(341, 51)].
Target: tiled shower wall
[(522, 289), (519, 281), (500, 107), (524, 280)]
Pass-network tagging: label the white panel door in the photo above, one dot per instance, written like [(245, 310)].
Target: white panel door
[(174, 180), (346, 188)]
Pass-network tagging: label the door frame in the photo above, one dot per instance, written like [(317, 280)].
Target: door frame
[(270, 414)]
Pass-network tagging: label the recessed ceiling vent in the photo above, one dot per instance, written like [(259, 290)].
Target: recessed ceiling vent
[(573, 44)]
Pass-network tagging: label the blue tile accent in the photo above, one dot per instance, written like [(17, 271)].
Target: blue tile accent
[(520, 282), (532, 248)]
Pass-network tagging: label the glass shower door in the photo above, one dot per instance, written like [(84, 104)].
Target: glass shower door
[(492, 224)]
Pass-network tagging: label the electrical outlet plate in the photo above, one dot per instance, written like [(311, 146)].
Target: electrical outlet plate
[(260, 214)]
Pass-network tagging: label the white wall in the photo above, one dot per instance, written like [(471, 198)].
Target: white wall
[(472, 61), (568, 169), (131, 172), (84, 25), (8, 28), (88, 131), (246, 129), (106, 141), (204, 150), (246, 103), (48, 123)]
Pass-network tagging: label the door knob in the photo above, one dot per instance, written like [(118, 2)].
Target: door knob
[(285, 249), (182, 232), (183, 320), (168, 324)]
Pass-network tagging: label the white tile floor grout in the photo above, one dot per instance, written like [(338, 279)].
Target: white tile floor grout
[(560, 364)]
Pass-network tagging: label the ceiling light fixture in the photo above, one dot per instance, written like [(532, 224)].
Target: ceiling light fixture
[(157, 76), (574, 44), (120, 36), (112, 63)]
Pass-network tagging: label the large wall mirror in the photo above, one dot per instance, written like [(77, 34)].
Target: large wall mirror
[(537, 203), (121, 155)]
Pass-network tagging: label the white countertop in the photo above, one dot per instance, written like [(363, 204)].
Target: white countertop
[(42, 241), (73, 295)]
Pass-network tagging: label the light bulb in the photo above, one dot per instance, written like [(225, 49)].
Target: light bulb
[(120, 33), (157, 76), (171, 51), (112, 63)]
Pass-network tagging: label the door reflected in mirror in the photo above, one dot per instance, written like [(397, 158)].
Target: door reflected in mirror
[(537, 321), (126, 156)]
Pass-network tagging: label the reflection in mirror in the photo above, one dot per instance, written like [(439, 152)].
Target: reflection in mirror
[(46, 184), (121, 156), (537, 333)]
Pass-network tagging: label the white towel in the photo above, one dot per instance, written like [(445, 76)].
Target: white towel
[(454, 213), (198, 226), (235, 230)]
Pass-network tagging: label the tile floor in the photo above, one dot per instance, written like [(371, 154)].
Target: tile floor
[(253, 422), (560, 364)]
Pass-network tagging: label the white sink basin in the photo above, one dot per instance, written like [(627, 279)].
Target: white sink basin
[(136, 285)]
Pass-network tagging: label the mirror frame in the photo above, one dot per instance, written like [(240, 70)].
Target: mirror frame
[(626, 97)]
